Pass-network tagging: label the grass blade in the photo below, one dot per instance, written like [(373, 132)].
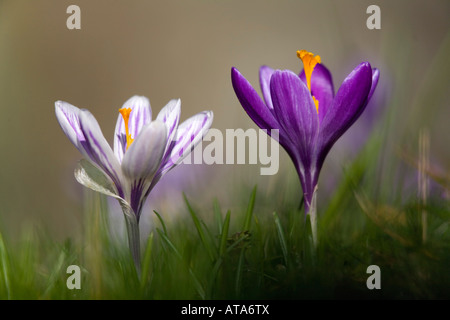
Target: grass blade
[(281, 238), (240, 266), (198, 226), (224, 235), (146, 261), (197, 284), (249, 213), (247, 225), (5, 264), (218, 215), (162, 221)]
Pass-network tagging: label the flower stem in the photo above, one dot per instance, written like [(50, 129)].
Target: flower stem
[(300, 206), (313, 217), (134, 240), (424, 150)]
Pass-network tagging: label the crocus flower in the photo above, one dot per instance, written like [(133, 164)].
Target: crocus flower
[(304, 109), (144, 150)]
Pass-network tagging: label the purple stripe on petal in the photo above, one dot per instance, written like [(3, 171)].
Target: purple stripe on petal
[(170, 116), (100, 153), (68, 118), (137, 197), (188, 135), (321, 88), (140, 116)]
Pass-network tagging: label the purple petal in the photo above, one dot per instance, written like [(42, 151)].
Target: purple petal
[(262, 115), (252, 103), (347, 106), (375, 77), (265, 73), (321, 88), (99, 151), (296, 113), (140, 116), (170, 116)]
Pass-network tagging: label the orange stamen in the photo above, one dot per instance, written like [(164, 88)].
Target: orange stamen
[(309, 62), (125, 112)]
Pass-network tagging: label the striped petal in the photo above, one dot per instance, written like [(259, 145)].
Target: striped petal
[(188, 135), (142, 160), (170, 116), (99, 151), (140, 116), (68, 117)]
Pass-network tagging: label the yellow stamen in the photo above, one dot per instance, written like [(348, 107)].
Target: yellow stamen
[(316, 102), (125, 112), (309, 62)]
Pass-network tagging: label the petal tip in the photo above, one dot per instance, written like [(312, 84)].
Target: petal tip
[(365, 64)]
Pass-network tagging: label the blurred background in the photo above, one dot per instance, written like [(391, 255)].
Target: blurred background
[(185, 49)]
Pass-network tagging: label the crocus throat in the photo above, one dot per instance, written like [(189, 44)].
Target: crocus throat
[(309, 62), (125, 112)]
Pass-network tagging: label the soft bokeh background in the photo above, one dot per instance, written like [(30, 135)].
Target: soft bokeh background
[(185, 49)]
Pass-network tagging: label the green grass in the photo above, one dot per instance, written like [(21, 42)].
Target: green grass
[(245, 254), (261, 248)]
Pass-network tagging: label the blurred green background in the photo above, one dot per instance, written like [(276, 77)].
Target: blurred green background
[(185, 49)]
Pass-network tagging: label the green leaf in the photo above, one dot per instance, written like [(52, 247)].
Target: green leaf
[(218, 215), (249, 213), (281, 238), (224, 235), (206, 243), (5, 264), (162, 221), (197, 283), (147, 260)]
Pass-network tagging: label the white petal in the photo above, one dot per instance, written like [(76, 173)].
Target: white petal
[(68, 117), (99, 151), (188, 135), (143, 157), (93, 178), (140, 116)]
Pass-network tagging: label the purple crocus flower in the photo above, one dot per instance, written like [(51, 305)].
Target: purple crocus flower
[(144, 150), (309, 117)]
